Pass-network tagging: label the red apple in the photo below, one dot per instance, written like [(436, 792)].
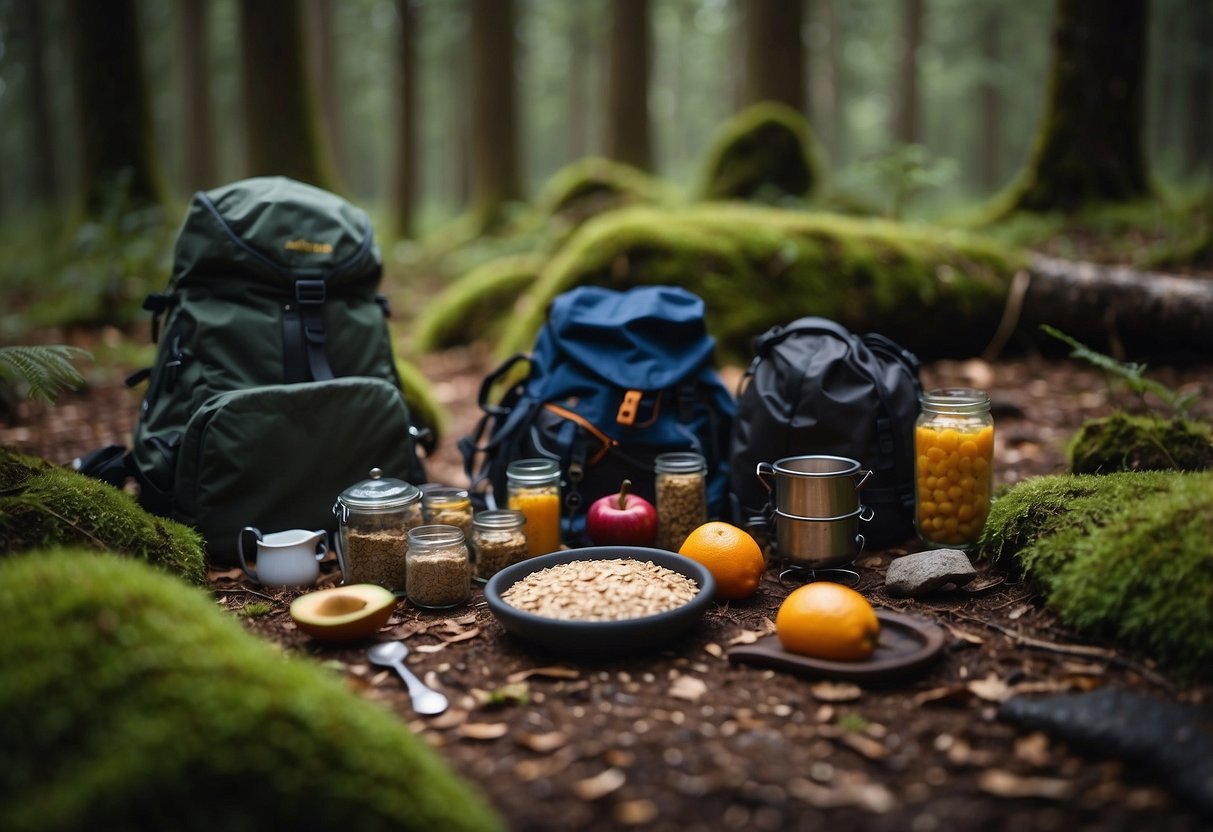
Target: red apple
[(622, 519)]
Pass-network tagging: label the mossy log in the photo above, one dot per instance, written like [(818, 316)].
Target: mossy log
[(44, 505), (131, 702), (764, 153), (477, 306), (1121, 555), (593, 186), (1125, 442), (935, 291)]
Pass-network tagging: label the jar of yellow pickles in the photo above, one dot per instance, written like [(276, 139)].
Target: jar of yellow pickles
[(954, 453), (534, 489)]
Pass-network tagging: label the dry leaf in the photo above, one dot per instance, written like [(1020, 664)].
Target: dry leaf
[(965, 635), (600, 785), (483, 730), (689, 688), (635, 812), (746, 637), (429, 648), (863, 794), (991, 689), (835, 691), (1005, 784), (1018, 612), (449, 718), (553, 672), (866, 746), (464, 620), (514, 693), (1033, 749), (543, 743), (463, 636), (713, 649)]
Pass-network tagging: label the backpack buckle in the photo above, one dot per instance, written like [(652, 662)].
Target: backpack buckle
[(310, 291), (626, 415)]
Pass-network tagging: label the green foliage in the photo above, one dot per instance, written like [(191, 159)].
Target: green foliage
[(46, 370), (1131, 373), (131, 702), (1123, 555), (43, 505), (903, 173), (256, 609), (476, 306)]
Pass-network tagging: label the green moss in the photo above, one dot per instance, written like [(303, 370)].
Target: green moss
[(424, 407), (131, 702), (764, 153), (44, 505), (1121, 555), (592, 186), (475, 306), (1124, 442), (757, 266)]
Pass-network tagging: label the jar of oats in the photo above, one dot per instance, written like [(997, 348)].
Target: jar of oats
[(447, 506), (374, 517), (499, 539), (682, 500), (439, 572)]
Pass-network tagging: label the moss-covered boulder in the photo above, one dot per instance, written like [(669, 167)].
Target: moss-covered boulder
[(131, 702), (1125, 442), (935, 291), (764, 153), (594, 185), (44, 505), (1121, 555)]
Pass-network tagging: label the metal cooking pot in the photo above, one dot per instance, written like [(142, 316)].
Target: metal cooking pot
[(819, 543), (814, 486)]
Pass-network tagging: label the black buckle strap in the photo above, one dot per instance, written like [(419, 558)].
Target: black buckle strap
[(158, 303), (311, 295)]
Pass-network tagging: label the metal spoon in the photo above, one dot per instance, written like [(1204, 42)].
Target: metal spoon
[(425, 700)]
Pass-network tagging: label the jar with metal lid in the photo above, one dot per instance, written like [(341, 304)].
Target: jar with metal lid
[(954, 466), (447, 506), (534, 490), (499, 540), (374, 517), (682, 499), (439, 572)]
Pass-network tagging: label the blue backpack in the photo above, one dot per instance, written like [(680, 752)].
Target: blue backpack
[(615, 379)]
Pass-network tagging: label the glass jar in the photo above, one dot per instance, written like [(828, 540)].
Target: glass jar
[(439, 572), (374, 517), (499, 538), (534, 490), (954, 466), (446, 506), (682, 499)]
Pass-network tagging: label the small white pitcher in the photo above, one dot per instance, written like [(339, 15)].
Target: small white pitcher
[(289, 558)]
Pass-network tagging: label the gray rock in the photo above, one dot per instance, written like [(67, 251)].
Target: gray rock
[(925, 572)]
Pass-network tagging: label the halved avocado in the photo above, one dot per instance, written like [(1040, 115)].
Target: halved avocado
[(343, 613)]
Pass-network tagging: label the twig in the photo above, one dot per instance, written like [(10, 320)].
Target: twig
[(249, 591)]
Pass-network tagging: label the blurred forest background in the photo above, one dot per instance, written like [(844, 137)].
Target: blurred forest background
[(921, 109)]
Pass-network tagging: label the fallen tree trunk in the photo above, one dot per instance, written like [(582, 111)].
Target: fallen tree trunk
[(1114, 309)]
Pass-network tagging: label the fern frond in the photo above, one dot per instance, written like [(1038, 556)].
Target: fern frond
[(48, 370)]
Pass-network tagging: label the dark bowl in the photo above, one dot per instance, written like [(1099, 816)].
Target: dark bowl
[(598, 637)]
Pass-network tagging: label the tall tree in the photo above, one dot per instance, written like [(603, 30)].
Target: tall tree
[(114, 122), (628, 133), (580, 39), (1089, 146), (284, 133), (495, 167), (405, 189), (825, 102), (989, 99), (774, 52), (1198, 137), (197, 115), (905, 101), (44, 167), (321, 37)]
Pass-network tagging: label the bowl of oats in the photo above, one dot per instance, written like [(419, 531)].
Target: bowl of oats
[(600, 599)]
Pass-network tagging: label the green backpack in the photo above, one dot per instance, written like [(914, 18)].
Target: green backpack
[(274, 386)]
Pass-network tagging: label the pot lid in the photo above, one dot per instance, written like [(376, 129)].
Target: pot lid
[(379, 492)]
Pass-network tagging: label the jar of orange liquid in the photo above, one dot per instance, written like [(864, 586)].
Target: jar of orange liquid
[(534, 489), (954, 453)]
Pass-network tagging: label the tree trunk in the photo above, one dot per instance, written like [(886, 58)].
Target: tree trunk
[(628, 84), (495, 167), (405, 191), (284, 134), (197, 121), (1089, 148), (323, 56), (774, 52), (989, 101), (44, 168), (1198, 137), (905, 102), (824, 106), (115, 131), (580, 42)]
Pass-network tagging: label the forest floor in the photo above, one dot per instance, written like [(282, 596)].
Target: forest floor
[(682, 738)]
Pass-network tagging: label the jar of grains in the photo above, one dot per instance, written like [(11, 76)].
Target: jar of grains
[(954, 466), (499, 538), (374, 518), (439, 572), (534, 490), (682, 500), (447, 506)]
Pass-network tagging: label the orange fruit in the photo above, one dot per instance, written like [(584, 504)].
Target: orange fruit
[(730, 554), (827, 621)]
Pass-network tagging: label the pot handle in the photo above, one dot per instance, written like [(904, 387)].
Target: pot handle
[(866, 474), (871, 513), (859, 541), (322, 545), (240, 551), (762, 470)]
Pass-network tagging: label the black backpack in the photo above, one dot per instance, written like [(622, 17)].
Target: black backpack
[(274, 385), (615, 379), (813, 387)]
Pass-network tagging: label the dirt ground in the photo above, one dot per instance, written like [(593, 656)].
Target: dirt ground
[(681, 738)]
